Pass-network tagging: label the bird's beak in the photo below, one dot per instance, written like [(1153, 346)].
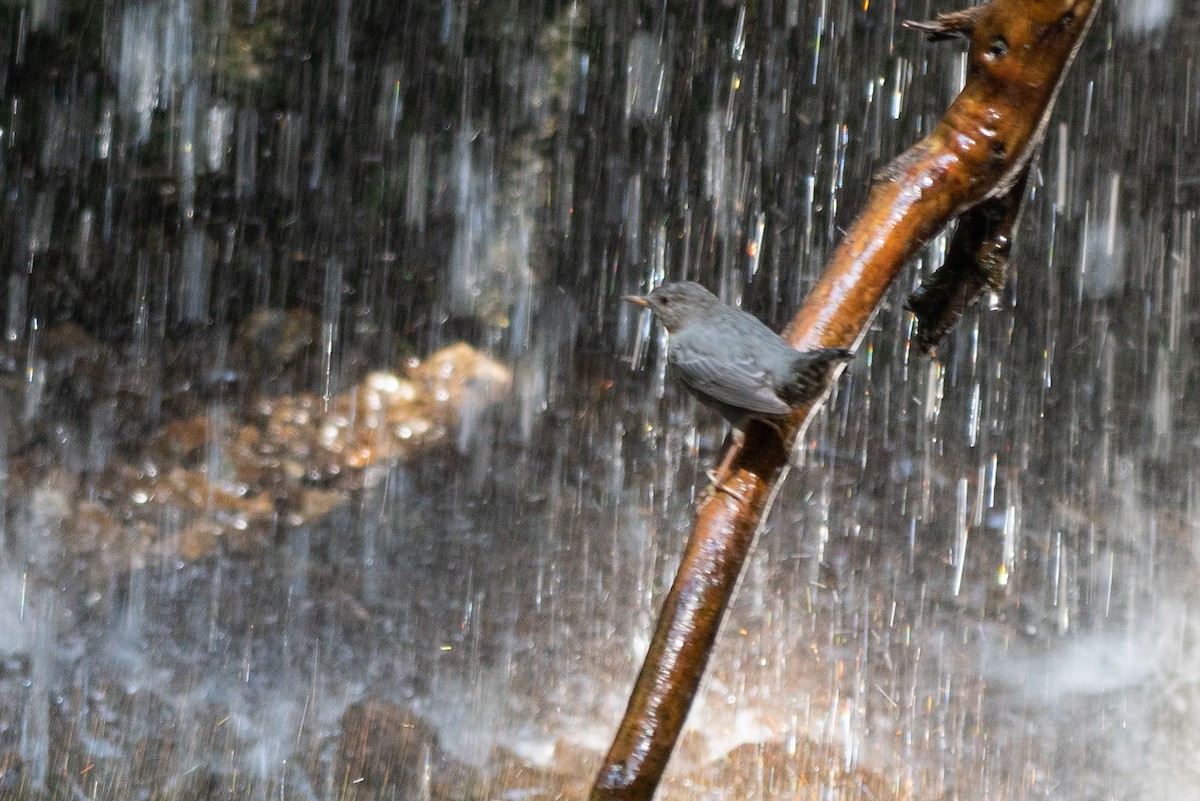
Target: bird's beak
[(638, 299)]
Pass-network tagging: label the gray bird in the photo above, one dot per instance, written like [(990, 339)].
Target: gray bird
[(731, 362)]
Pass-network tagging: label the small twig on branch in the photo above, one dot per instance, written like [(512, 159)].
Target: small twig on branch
[(1020, 51), (948, 26)]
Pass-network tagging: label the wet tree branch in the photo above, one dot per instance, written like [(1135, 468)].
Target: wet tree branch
[(1020, 51)]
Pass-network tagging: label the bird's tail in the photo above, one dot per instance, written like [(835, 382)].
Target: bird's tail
[(810, 370)]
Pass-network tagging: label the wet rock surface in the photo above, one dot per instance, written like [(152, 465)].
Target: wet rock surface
[(238, 476)]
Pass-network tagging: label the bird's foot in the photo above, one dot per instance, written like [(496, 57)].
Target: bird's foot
[(717, 484), (718, 477)]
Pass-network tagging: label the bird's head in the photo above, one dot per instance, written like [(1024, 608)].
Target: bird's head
[(678, 304)]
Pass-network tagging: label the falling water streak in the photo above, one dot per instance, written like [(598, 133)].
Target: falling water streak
[(1008, 547), (959, 556), (331, 312), (135, 604), (974, 411), (35, 723)]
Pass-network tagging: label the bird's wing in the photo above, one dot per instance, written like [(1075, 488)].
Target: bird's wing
[(736, 381)]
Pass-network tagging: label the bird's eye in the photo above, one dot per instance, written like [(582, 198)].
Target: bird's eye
[(666, 301)]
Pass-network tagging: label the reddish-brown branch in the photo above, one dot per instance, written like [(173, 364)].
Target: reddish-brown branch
[(1020, 50)]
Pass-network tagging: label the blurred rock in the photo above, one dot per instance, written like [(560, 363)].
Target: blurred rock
[(773, 770), (386, 751), (232, 482), (568, 775), (273, 339)]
